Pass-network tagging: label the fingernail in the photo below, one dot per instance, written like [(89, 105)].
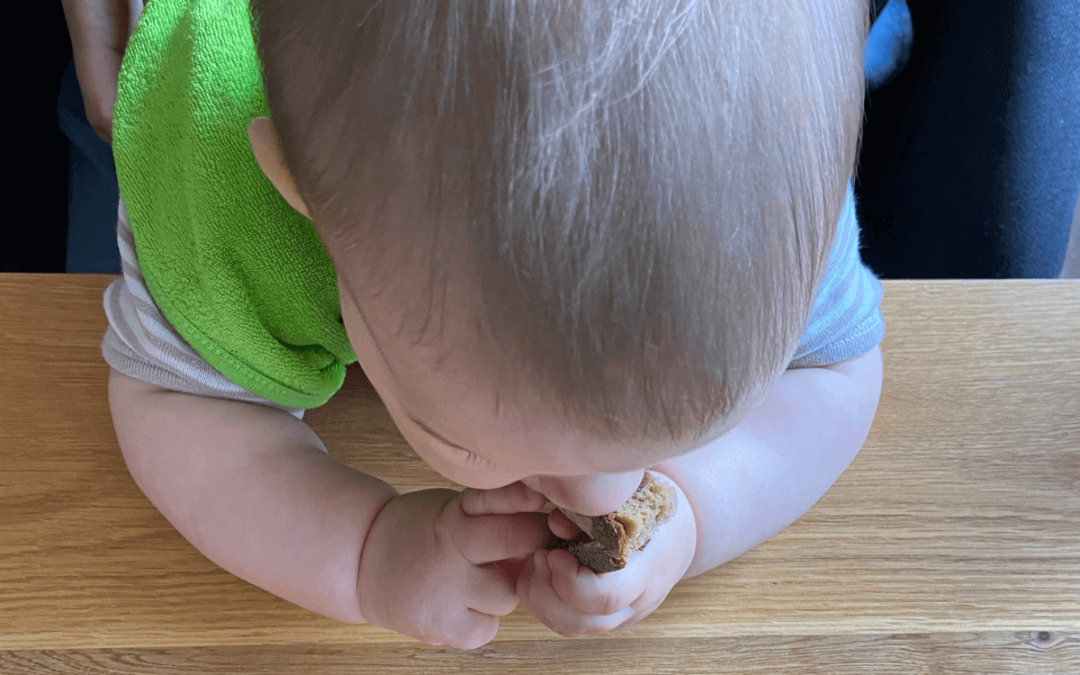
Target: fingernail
[(470, 502), (569, 571), (541, 562)]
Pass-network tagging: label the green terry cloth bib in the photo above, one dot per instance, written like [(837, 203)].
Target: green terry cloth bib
[(238, 273)]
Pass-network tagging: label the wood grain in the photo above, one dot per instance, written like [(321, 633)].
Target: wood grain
[(956, 530), (935, 654)]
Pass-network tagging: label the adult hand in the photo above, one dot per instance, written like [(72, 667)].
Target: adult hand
[(99, 31)]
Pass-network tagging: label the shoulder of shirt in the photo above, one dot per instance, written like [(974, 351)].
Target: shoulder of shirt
[(845, 319), (141, 343)]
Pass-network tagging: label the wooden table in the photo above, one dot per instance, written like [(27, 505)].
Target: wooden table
[(951, 545)]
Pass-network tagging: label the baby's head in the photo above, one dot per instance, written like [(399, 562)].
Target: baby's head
[(573, 238)]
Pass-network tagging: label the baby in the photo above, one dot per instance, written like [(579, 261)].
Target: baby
[(567, 241)]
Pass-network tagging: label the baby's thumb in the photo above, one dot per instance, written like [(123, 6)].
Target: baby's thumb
[(514, 498)]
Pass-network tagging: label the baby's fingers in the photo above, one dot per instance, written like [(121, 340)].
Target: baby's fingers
[(470, 632), (485, 539), (514, 498), (588, 592), (561, 526), (539, 596), (492, 591)]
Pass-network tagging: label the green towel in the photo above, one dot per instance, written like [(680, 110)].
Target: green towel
[(239, 274)]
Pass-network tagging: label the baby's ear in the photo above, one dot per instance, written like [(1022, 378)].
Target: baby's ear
[(266, 144)]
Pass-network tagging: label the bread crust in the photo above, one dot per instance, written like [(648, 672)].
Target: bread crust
[(606, 542)]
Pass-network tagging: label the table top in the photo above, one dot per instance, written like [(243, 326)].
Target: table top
[(951, 544)]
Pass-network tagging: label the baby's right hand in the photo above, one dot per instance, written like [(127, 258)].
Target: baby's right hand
[(425, 570)]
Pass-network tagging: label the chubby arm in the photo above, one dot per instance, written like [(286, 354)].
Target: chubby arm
[(734, 493), (758, 478), (254, 489)]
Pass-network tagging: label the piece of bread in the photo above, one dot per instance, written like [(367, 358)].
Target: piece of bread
[(606, 542)]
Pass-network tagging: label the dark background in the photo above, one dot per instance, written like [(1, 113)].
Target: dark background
[(34, 235), (970, 165)]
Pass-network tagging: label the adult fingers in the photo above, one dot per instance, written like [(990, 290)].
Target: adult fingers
[(99, 31), (97, 69)]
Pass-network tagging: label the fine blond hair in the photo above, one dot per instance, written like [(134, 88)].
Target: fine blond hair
[(646, 190)]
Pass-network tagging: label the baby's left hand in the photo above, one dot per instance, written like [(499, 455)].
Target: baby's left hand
[(572, 600)]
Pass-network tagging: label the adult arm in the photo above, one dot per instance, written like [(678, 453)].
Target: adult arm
[(99, 31)]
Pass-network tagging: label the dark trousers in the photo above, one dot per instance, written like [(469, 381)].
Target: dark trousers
[(93, 196), (970, 166)]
